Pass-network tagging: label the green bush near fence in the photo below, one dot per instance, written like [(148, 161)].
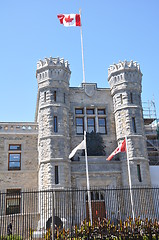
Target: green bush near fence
[(11, 237), (105, 229)]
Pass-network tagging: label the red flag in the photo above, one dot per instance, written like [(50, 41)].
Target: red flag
[(120, 148), (70, 20)]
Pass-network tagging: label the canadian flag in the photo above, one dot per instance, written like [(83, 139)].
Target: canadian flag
[(120, 148), (70, 20)]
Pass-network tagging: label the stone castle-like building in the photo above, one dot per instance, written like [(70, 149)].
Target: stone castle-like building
[(35, 155)]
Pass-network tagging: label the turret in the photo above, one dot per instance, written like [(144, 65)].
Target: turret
[(125, 83), (53, 75)]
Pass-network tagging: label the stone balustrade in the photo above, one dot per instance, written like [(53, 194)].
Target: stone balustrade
[(18, 127)]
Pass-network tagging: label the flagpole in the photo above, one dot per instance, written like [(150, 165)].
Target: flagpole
[(129, 176), (82, 50), (87, 177)]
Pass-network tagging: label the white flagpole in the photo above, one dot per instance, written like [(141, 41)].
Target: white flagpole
[(129, 175), (87, 177), (82, 50)]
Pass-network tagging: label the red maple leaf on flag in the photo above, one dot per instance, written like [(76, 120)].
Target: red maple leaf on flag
[(61, 17), (68, 19)]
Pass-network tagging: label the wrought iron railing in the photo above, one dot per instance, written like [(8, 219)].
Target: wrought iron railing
[(33, 214)]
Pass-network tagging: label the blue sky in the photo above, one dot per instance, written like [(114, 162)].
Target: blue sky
[(112, 31)]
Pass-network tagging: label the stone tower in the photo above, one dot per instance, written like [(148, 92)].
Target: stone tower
[(53, 75), (125, 84)]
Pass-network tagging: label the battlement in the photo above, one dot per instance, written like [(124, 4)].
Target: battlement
[(125, 65), (18, 128), (59, 62)]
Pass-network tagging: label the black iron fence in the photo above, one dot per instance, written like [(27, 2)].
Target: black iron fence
[(34, 214)]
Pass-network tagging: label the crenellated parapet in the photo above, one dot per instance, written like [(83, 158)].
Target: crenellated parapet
[(53, 68), (125, 76), (52, 62), (123, 66)]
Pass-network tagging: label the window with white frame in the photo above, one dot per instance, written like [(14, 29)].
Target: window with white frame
[(14, 157)]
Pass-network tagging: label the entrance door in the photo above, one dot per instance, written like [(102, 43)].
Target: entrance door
[(98, 206)]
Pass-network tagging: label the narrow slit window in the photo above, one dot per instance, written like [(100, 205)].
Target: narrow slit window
[(139, 173), (134, 124), (64, 98), (131, 97), (56, 175), (121, 98), (55, 124), (44, 96), (54, 96)]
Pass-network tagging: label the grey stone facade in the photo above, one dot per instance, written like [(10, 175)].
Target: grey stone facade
[(46, 144)]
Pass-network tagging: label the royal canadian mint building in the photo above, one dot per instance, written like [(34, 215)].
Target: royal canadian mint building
[(35, 155)]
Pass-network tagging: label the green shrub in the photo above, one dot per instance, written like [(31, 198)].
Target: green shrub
[(11, 237), (105, 229)]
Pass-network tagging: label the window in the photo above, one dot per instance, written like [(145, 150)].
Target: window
[(14, 157), (121, 98), (79, 125), (64, 98), (54, 96), (44, 96), (15, 147), (131, 97), (55, 124), (56, 175), (139, 173), (13, 200), (90, 111), (95, 118), (79, 111), (134, 124), (90, 125), (102, 125), (101, 111)]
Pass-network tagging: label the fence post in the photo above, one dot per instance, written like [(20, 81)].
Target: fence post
[(53, 214)]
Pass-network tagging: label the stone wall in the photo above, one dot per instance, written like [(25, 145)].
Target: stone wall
[(89, 96), (27, 177)]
